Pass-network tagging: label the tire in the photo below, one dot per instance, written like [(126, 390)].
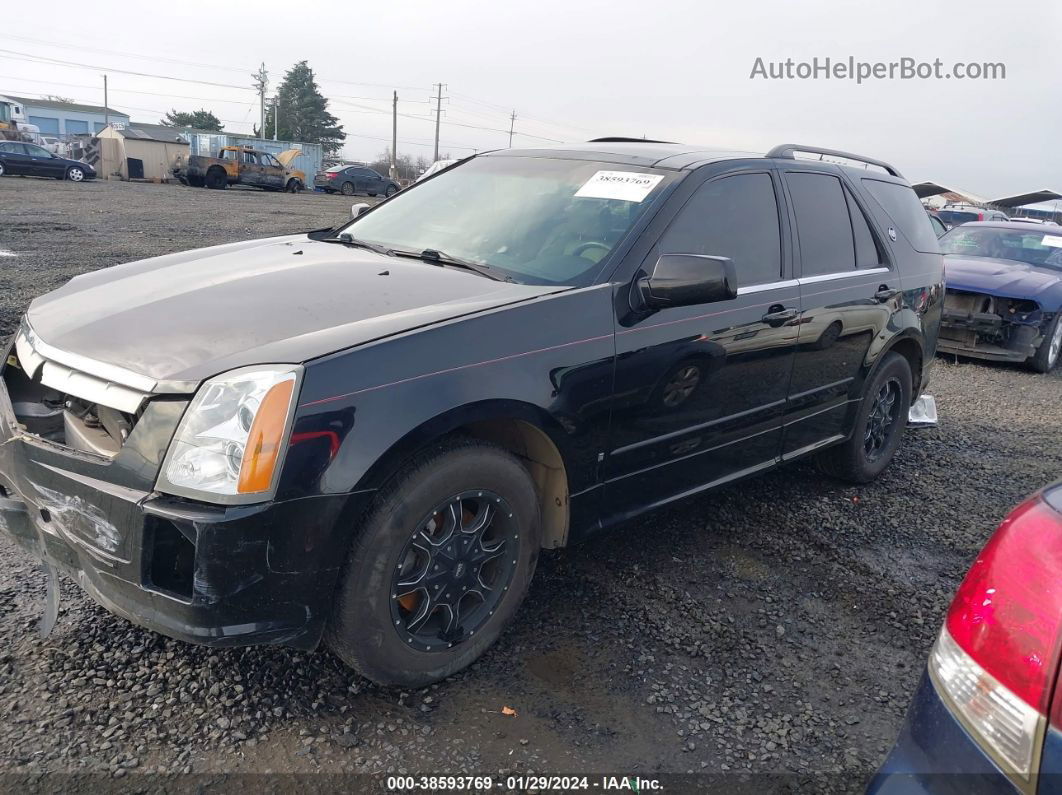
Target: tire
[(216, 179), (380, 631), (1047, 355), (870, 448), (1, 169), (391, 191), (347, 188), (75, 174), (293, 186)]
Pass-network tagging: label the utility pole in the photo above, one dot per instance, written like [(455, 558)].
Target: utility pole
[(438, 119), (261, 83), (106, 107), (276, 116), (512, 123), (394, 138)]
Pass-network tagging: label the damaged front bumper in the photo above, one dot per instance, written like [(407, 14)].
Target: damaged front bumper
[(219, 576), (991, 327)]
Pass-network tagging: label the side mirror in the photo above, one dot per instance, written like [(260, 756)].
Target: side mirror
[(358, 209), (688, 279)]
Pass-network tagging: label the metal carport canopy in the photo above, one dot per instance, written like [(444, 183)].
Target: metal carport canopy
[(1027, 198)]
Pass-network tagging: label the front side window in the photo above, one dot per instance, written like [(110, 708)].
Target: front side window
[(36, 151), (735, 217), (824, 226), (269, 160), (535, 220)]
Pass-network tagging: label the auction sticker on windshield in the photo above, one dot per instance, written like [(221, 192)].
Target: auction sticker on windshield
[(1055, 241), (627, 186)]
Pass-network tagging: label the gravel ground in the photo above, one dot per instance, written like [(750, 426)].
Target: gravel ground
[(779, 627)]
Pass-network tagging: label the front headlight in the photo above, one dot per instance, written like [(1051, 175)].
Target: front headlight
[(228, 446)]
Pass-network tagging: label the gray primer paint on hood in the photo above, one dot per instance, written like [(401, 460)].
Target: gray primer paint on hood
[(187, 316)]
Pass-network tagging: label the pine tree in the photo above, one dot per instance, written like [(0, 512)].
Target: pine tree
[(303, 112), (199, 119)]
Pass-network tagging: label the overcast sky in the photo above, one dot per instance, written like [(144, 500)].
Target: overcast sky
[(573, 70)]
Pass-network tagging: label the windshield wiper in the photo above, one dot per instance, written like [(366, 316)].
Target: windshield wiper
[(348, 239), (436, 257)]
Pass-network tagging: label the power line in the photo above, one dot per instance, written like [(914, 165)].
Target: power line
[(60, 62), (123, 90)]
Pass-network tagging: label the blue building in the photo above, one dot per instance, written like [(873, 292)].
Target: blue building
[(67, 118)]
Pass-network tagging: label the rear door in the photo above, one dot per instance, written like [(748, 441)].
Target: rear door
[(848, 292), (14, 157), (700, 390)]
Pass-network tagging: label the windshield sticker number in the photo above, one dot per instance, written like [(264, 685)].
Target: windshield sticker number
[(626, 186), (1055, 241)]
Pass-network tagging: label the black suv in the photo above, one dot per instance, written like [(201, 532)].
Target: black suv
[(365, 435)]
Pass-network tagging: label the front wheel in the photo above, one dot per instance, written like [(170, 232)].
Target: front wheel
[(439, 567), (1, 169), (75, 174), (1046, 356), (879, 425), (294, 186), (391, 191)]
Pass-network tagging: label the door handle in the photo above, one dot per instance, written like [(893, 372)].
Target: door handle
[(778, 315), (884, 294)]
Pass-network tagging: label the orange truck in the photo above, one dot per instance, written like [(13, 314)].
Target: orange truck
[(243, 165)]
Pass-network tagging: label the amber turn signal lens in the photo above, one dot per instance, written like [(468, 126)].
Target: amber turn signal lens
[(265, 439)]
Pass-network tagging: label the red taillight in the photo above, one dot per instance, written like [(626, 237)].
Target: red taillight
[(330, 175), (980, 216), (1007, 614)]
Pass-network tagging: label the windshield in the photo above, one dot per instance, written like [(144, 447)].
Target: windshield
[(534, 220), (1023, 245)]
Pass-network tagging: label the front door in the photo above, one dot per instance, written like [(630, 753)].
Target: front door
[(43, 163), (251, 172), (847, 296), (700, 391), (272, 172)]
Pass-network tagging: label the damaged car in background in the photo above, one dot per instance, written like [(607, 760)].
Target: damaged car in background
[(1004, 293), (364, 436)]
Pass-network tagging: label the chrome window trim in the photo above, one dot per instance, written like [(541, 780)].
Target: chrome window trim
[(828, 277), (759, 288)]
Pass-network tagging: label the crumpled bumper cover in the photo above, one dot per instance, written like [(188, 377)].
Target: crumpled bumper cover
[(220, 576)]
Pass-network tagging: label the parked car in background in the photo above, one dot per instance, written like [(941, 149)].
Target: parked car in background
[(987, 715), (435, 168), (365, 435), (1004, 296), (18, 158), (242, 165), (49, 142), (939, 227), (352, 180), (955, 214)]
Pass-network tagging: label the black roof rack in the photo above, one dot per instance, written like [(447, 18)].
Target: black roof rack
[(621, 140), (787, 151)]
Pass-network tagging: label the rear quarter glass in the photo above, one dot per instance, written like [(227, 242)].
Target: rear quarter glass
[(902, 206)]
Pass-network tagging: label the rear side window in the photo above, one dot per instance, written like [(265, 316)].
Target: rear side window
[(734, 217), (903, 207), (824, 226), (867, 253)]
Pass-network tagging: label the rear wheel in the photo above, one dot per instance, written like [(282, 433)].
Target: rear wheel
[(348, 188), (1046, 356), (879, 425), (216, 179), (1, 169), (439, 567)]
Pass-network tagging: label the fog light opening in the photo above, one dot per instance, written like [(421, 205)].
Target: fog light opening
[(171, 564)]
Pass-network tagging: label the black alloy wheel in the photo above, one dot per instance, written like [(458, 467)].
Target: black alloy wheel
[(454, 571), (882, 419)]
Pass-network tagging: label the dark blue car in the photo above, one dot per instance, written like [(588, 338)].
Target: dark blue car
[(1004, 293), (987, 716), (18, 158)]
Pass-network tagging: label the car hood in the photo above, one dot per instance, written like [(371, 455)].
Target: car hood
[(183, 317), (1004, 277)]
